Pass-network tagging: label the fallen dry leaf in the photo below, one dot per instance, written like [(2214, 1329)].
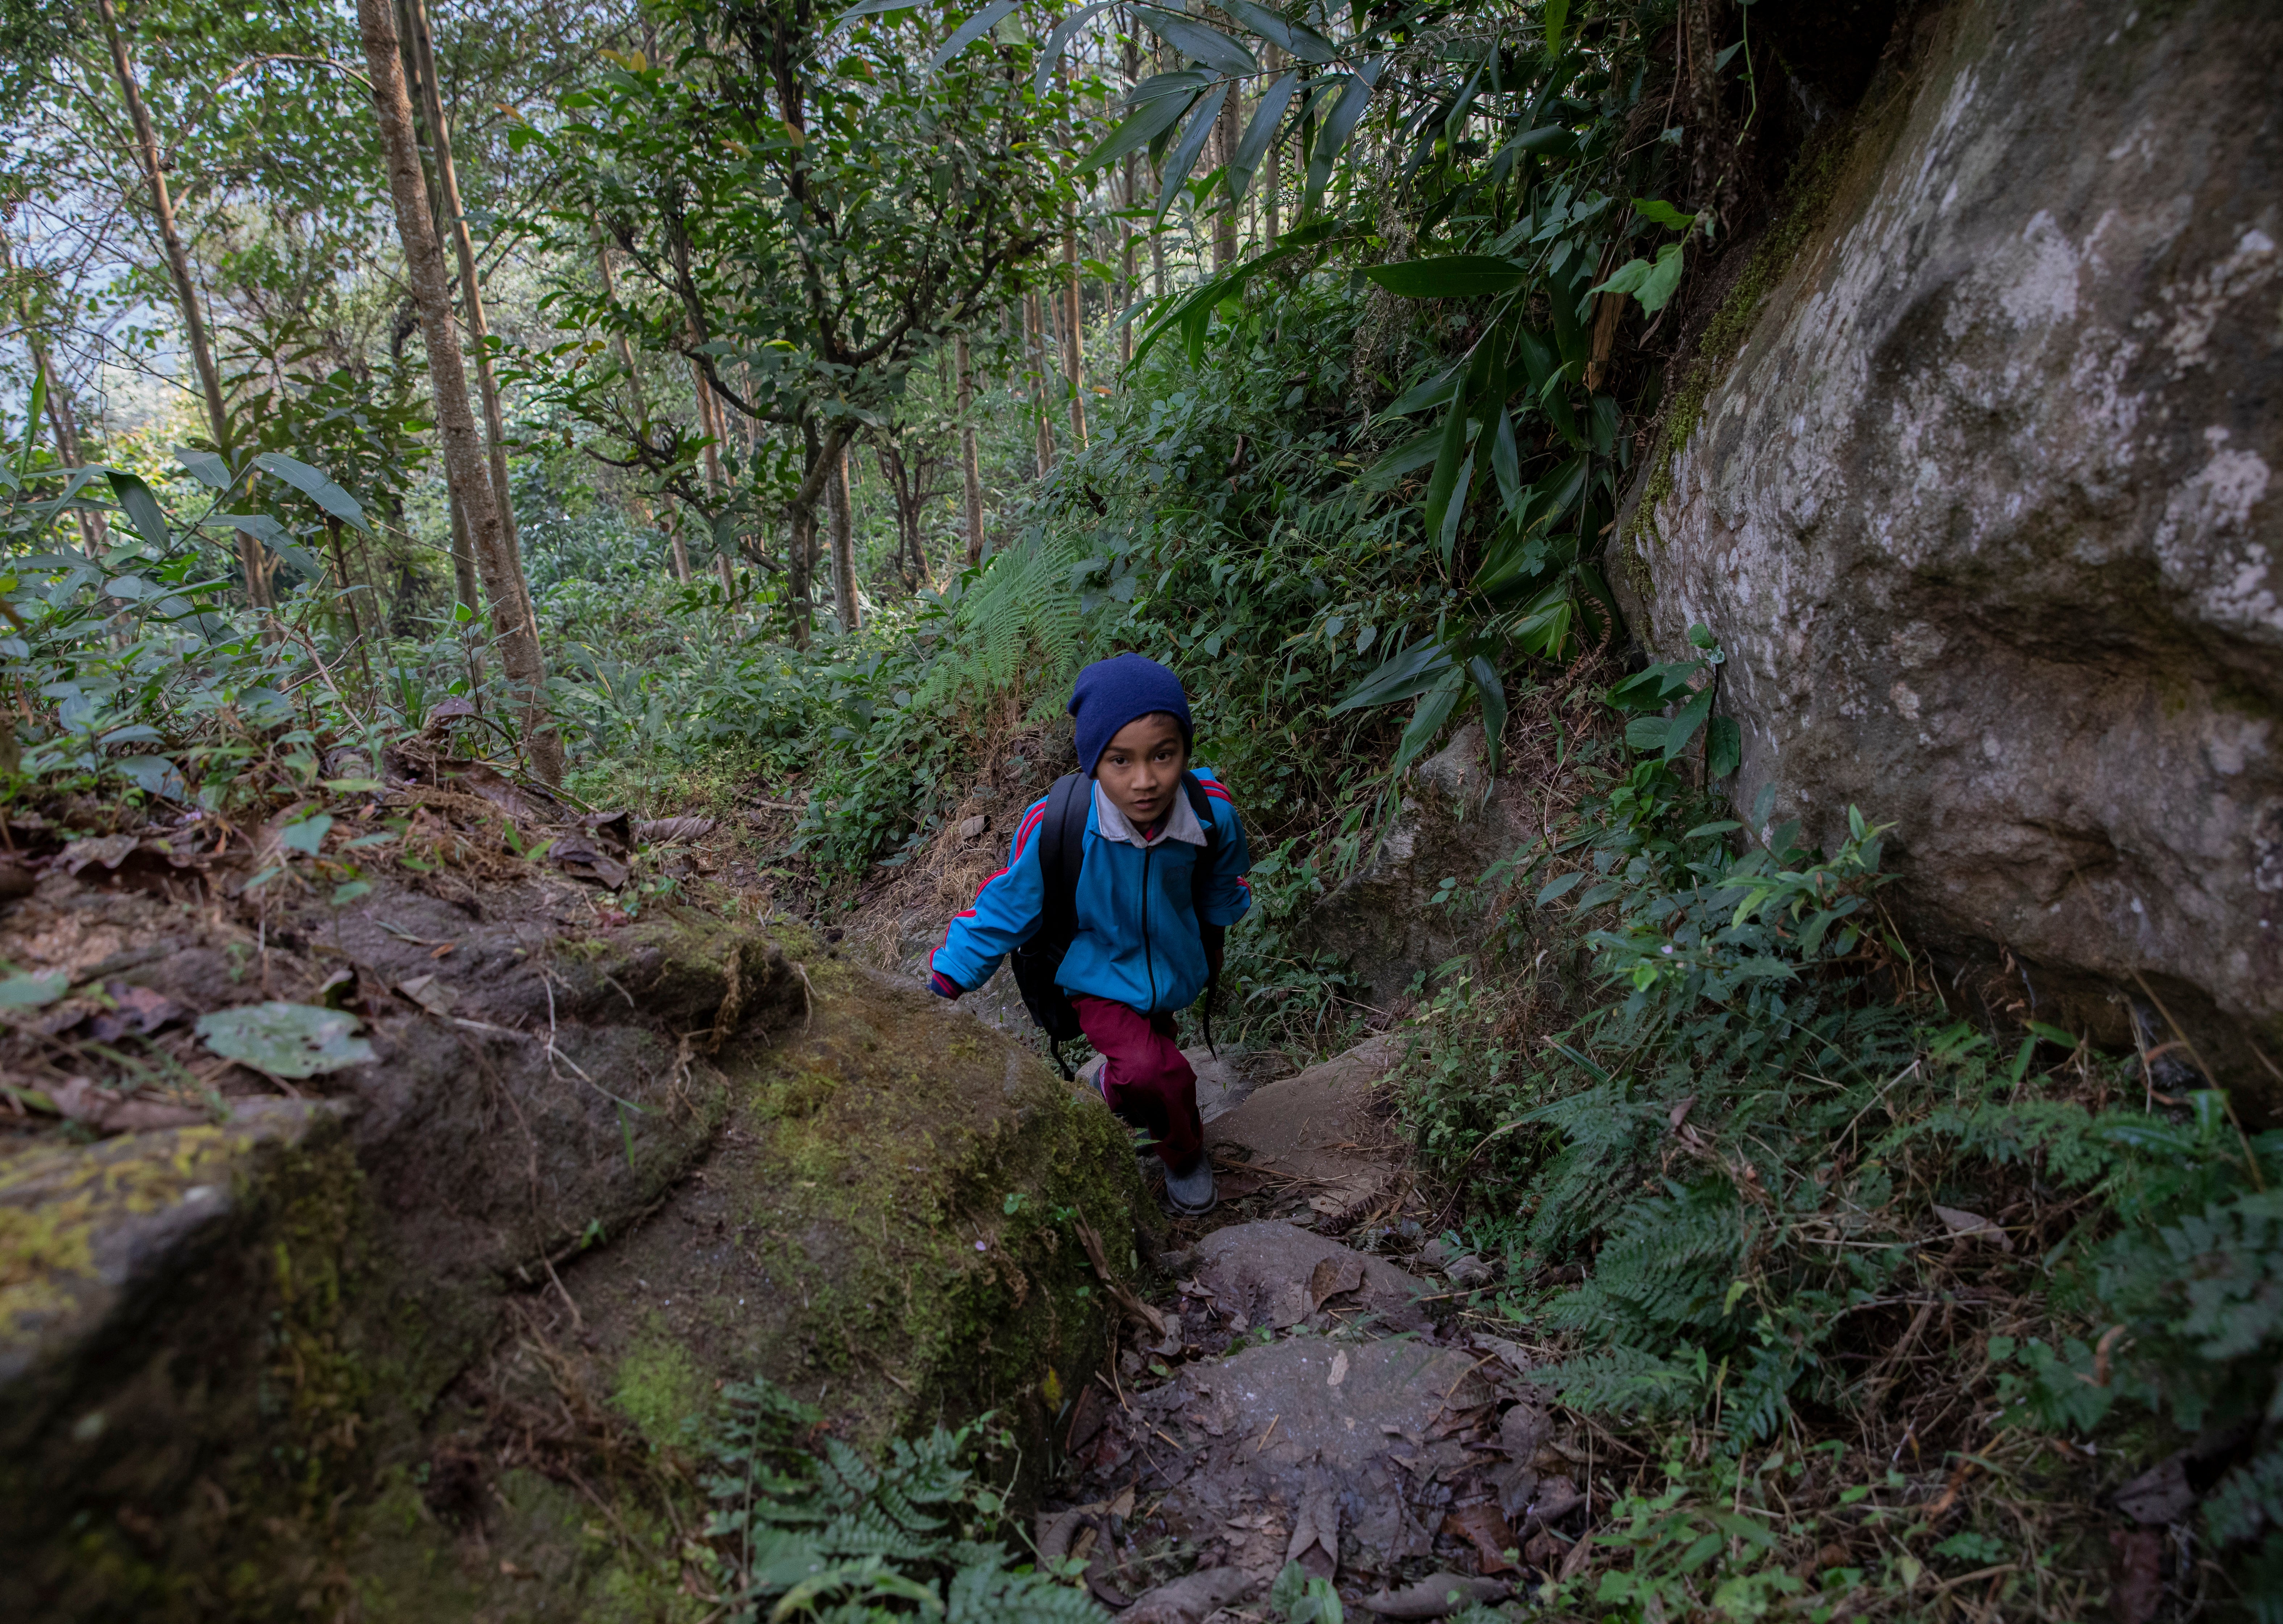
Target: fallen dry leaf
[(1485, 1528)]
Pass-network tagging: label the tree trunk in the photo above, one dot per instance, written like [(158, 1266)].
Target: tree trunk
[(463, 559), (971, 462), (1073, 331), (843, 545), (472, 299), (1272, 59), (1130, 276), (823, 452), (1034, 352), (673, 538), (464, 469), (1225, 222), (186, 291)]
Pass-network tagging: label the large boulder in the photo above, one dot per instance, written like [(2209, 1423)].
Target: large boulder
[(1984, 511)]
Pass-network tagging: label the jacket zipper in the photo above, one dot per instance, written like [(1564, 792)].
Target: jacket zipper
[(1149, 967)]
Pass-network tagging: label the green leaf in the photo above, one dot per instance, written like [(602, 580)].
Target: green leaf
[(1654, 687), (1724, 747), (1434, 710), (30, 992), (1258, 134), (1684, 727), (1450, 275), (973, 29), (1659, 212), (1409, 456), (1443, 487), (1184, 156), (1506, 463), (1550, 141), (1059, 39), (1197, 42), (1652, 285), (1557, 15), (1401, 676), (37, 404), (1560, 886), (1455, 508), (1355, 96), (206, 467), (307, 835), (1303, 42), (1433, 392), (313, 485), (872, 8), (285, 1040), (1490, 689), (142, 508)]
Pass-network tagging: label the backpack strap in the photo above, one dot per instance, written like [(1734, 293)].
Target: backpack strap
[(1201, 876)]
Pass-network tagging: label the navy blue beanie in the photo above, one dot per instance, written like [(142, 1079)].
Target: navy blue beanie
[(1110, 693)]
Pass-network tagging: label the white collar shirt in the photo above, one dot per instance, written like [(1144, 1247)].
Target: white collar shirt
[(1115, 826)]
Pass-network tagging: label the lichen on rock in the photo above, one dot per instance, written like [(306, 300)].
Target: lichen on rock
[(1982, 512)]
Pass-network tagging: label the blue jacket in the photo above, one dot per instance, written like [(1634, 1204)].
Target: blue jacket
[(1137, 941)]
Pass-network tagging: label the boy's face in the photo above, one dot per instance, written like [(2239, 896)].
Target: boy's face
[(1139, 769)]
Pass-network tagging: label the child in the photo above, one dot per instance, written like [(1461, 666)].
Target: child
[(1148, 927)]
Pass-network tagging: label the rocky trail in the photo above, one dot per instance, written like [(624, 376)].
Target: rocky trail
[(1308, 1393)]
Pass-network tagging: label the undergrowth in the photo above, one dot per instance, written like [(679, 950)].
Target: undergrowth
[(802, 1526), (1875, 1308)]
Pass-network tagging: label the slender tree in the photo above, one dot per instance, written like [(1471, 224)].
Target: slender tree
[(844, 547), (464, 469), (422, 50), (186, 290), (969, 461)]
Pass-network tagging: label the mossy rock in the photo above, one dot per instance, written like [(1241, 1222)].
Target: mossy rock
[(885, 1228), (275, 1366)]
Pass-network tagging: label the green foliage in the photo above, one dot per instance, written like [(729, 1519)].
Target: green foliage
[(1744, 1151), (808, 1530)]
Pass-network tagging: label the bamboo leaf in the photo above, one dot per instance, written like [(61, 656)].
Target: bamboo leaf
[(1506, 463), (1450, 275), (1154, 111), (1197, 42), (1401, 676), (1434, 710), (1184, 156), (1058, 41), (1355, 96), (313, 485), (1490, 687), (141, 507), (1258, 134), (32, 410), (208, 469), (973, 29), (1301, 41), (1420, 396), (1449, 455)]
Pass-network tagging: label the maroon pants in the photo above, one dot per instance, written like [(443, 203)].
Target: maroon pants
[(1146, 1079)]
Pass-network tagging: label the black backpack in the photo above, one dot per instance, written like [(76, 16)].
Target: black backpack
[(1062, 853)]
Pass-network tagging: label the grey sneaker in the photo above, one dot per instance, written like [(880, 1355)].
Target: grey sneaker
[(1090, 1077), (1190, 1193)]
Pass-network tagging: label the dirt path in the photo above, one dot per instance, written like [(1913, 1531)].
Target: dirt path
[(1309, 1394)]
